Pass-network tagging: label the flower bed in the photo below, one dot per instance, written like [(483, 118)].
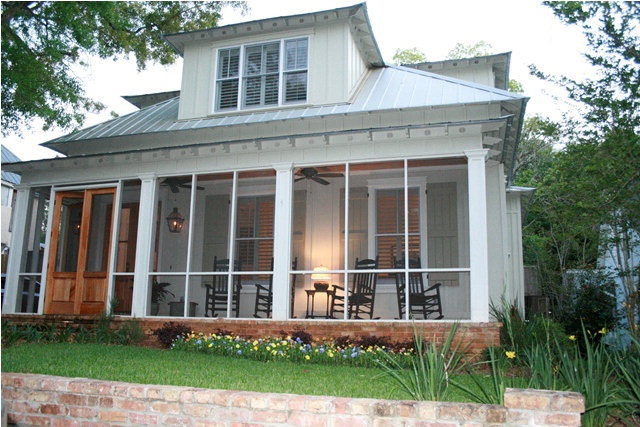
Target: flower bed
[(293, 348)]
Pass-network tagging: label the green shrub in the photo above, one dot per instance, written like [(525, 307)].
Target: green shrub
[(592, 305)]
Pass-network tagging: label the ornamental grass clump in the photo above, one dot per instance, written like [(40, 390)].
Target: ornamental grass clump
[(288, 348), (430, 367)]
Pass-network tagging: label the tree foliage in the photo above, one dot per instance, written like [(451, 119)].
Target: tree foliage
[(612, 98), (409, 56), (587, 203), (460, 50), (42, 42)]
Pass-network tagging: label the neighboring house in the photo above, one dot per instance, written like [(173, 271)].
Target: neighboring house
[(9, 182), (291, 146), (620, 258)]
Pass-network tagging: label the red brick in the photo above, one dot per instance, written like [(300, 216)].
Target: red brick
[(72, 399), (53, 409), (113, 416), (269, 416)]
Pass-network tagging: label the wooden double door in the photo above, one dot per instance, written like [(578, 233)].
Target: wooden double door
[(78, 269)]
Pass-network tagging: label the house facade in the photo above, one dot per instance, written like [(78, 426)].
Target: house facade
[(291, 152)]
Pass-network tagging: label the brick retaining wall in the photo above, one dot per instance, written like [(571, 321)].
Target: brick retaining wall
[(41, 400)]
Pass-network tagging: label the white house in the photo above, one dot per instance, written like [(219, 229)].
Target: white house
[(292, 146)]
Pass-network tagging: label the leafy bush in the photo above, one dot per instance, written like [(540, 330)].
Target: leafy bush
[(592, 304), (170, 331), (297, 335)]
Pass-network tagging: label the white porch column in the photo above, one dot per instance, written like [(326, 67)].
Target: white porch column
[(478, 247), (19, 235), (282, 241), (144, 243)]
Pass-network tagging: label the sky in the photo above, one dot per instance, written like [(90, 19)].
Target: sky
[(525, 28)]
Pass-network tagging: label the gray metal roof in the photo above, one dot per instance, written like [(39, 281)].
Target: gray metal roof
[(386, 88), (9, 157)]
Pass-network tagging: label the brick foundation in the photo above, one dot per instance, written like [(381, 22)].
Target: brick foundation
[(476, 336), (41, 400)]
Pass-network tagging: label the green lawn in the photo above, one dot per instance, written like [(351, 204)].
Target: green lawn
[(153, 366)]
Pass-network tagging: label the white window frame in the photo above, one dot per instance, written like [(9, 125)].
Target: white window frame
[(242, 77)]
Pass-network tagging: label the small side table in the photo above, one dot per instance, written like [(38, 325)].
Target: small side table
[(176, 308), (311, 302)]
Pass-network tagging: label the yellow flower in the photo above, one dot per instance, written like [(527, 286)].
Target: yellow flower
[(602, 331), (210, 344), (307, 357), (510, 354), (572, 337)]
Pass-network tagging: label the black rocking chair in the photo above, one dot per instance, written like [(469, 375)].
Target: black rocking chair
[(422, 302), (217, 292), (361, 297), (264, 294)]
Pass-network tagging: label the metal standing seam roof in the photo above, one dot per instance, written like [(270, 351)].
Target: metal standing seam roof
[(9, 157), (386, 88)]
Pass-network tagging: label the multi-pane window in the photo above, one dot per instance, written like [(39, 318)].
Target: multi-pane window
[(254, 233), (389, 234), (253, 75)]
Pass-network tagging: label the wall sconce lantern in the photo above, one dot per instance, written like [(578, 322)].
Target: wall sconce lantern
[(321, 278), (175, 221)]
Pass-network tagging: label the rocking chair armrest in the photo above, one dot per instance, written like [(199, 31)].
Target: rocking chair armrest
[(261, 287), (433, 287), (337, 287)]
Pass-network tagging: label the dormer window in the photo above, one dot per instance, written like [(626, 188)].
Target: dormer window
[(252, 76)]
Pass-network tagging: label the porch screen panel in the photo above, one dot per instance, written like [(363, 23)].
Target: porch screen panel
[(254, 233), (174, 194), (390, 225), (126, 246), (30, 275)]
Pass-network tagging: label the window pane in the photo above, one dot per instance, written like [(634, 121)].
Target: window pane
[(296, 86), (253, 62), (229, 63), (271, 90), (252, 91), (296, 54), (228, 94), (272, 59)]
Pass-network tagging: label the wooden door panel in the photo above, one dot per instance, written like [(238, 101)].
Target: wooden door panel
[(80, 287), (63, 293)]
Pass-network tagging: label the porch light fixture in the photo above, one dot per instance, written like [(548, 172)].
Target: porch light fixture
[(175, 221), (321, 278)]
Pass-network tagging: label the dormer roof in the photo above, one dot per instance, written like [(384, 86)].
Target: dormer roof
[(356, 16)]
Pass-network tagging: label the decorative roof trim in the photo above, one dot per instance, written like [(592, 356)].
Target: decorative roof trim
[(356, 16)]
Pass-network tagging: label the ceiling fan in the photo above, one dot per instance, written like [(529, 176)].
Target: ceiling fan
[(314, 175), (175, 184)]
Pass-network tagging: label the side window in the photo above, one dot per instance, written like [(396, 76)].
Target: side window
[(296, 70), (228, 79)]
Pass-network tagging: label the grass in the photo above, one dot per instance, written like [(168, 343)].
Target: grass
[(153, 366)]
